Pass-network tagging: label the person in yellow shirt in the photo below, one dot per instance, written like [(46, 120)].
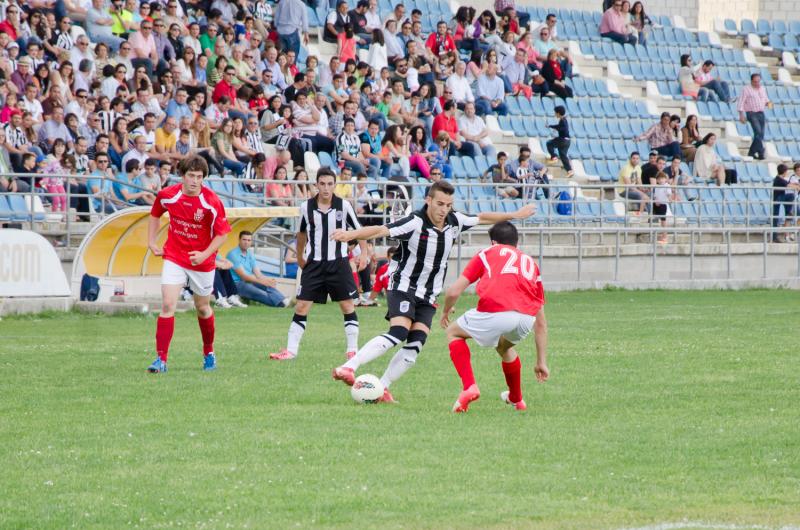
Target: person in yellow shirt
[(166, 140), (124, 22), (631, 175), (344, 189)]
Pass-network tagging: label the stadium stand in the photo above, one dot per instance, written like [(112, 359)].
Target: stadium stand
[(618, 91)]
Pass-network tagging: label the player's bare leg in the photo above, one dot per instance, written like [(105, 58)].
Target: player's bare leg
[(398, 332), (205, 319), (460, 356), (165, 326), (296, 330), (512, 369), (350, 326)]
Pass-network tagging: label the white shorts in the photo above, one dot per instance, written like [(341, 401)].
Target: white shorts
[(201, 283), (488, 328)]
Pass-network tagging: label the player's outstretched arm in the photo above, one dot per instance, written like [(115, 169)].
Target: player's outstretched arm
[(540, 335), (451, 297), (364, 234), (488, 218), (152, 236)]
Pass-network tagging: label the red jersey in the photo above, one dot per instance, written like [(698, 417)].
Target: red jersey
[(381, 278), (509, 280), (193, 223)]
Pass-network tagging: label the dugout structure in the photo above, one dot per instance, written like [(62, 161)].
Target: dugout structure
[(115, 249)]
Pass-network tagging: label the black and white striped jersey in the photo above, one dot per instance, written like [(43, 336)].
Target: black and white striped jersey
[(319, 225), (420, 265)]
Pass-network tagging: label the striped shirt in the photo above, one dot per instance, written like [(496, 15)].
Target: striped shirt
[(420, 265), (254, 140), (107, 118), (319, 225), (15, 136), (753, 99), (64, 40)]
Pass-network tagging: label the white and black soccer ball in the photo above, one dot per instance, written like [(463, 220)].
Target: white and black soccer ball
[(367, 388)]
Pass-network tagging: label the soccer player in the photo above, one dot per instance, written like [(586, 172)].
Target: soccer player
[(325, 265), (510, 305), (197, 228), (416, 275)]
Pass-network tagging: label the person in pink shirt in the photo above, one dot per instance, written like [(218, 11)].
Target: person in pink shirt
[(614, 26), (347, 45), (143, 47), (752, 103)]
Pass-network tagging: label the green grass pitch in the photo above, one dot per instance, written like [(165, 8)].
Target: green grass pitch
[(662, 407)]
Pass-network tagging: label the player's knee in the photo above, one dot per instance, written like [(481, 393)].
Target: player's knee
[(417, 336), (399, 332)]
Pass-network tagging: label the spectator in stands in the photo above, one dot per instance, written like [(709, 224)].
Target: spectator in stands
[(689, 86), (630, 178), (498, 173), (614, 26), (491, 93), (441, 44), (545, 43), (446, 122), (752, 103), (336, 22), (676, 175), (419, 158), (706, 79), (440, 161), (371, 149), (458, 86), (348, 149), (501, 6), (55, 129), (99, 185), (562, 141), (640, 21), (650, 170), (250, 282), (784, 193), (291, 22), (549, 24), (126, 186), (222, 141), (662, 137), (10, 183), (473, 129), (708, 165), (662, 197), (690, 138), (528, 171), (554, 75), (515, 68)]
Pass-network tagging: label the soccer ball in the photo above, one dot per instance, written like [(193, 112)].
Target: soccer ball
[(367, 388)]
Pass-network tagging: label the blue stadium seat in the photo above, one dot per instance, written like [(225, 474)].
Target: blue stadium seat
[(608, 107), (686, 210), (505, 123), (220, 187), (586, 109), (5, 210), (609, 215), (518, 125), (482, 163), (470, 168), (587, 211), (779, 26), (730, 25), (459, 171), (763, 27), (542, 212), (593, 131), (513, 105), (794, 27), (525, 106)]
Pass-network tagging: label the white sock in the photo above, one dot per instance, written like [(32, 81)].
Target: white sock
[(400, 363), (372, 350), (296, 329), (351, 332)]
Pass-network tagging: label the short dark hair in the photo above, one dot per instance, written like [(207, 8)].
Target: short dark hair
[(245, 233), (151, 162), (193, 163), (259, 158), (131, 164), (504, 233), (708, 63), (325, 171), (560, 110), (660, 158), (443, 186), (634, 153), (449, 104), (753, 76), (782, 168)]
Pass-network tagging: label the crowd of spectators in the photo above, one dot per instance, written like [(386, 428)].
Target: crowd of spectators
[(123, 90)]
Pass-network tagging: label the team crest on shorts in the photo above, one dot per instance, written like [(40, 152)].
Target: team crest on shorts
[(404, 305), (199, 214)]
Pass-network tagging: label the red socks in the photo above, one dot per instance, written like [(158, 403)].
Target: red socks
[(513, 372), (207, 331), (459, 354), (165, 327)]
